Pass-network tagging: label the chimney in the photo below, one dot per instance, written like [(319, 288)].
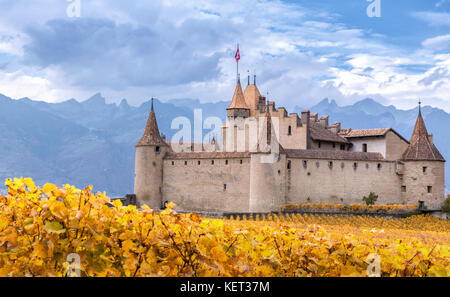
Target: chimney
[(324, 121), (336, 127)]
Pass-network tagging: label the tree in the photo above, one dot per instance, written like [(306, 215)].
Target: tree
[(446, 206), (370, 200)]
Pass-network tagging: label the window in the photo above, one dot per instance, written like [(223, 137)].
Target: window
[(185, 162), (224, 187), (403, 189), (241, 161), (421, 204), (212, 162), (289, 165), (342, 147), (355, 165), (173, 163), (367, 165), (157, 149), (317, 164), (319, 144), (305, 164), (198, 162), (364, 147), (226, 162), (334, 145), (379, 166), (279, 172), (290, 130), (429, 189), (342, 165), (424, 170), (330, 164)]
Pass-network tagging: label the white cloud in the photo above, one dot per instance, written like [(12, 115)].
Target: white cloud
[(437, 43), (434, 19)]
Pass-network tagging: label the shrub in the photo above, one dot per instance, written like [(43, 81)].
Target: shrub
[(370, 200)]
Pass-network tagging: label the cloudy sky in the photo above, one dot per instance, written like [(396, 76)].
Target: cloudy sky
[(301, 51)]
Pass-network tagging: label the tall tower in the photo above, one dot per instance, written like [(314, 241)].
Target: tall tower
[(423, 182), (148, 177)]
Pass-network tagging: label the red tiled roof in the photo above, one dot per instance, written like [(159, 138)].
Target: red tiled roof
[(319, 133), (420, 147), (333, 155), (151, 134), (350, 133)]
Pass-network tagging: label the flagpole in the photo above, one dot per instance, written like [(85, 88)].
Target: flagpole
[(237, 65)]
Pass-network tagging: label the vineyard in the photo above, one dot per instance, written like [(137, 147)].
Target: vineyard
[(41, 227)]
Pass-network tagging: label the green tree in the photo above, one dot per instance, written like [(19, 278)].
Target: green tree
[(370, 200), (446, 206)]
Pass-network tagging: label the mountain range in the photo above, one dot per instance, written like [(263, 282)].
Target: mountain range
[(92, 142)]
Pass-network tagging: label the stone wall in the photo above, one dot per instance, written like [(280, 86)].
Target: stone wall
[(337, 181), (195, 187)]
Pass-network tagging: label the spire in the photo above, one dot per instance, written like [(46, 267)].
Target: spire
[(248, 74), (151, 134), (238, 101), (420, 146)]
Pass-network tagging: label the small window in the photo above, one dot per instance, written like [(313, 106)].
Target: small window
[(290, 130), (185, 162), (364, 147), (157, 149), (160, 189), (289, 165), (224, 187), (173, 163), (379, 166), (334, 145), (198, 162), (330, 164), (241, 161), (154, 164), (430, 189), (355, 165), (317, 164), (226, 162), (403, 189), (279, 172), (421, 204), (342, 165), (305, 164), (342, 147), (367, 165), (212, 162), (424, 170), (319, 144)]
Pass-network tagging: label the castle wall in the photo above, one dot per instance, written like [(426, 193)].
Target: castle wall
[(395, 146), (417, 182), (200, 188), (344, 185), (267, 182)]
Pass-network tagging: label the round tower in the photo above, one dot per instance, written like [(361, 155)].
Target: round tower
[(423, 182), (148, 177)]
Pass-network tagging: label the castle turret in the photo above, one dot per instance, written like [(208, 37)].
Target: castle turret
[(150, 151), (423, 180), (252, 97), (238, 107)]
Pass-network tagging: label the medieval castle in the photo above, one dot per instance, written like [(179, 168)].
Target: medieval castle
[(268, 158)]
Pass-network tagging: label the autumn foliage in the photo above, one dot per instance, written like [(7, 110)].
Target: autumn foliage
[(40, 227)]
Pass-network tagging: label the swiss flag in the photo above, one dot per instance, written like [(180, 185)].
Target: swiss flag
[(238, 55)]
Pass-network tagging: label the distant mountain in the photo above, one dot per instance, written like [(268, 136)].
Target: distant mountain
[(92, 142)]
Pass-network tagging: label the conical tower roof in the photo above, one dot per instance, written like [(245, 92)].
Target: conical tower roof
[(251, 96), (151, 134), (420, 147), (238, 101)]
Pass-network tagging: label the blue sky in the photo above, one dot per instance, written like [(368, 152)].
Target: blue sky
[(302, 51)]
